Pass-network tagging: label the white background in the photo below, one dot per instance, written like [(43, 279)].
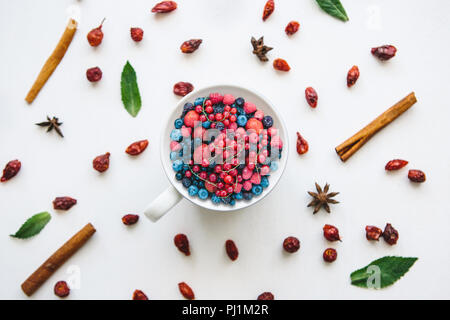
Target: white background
[(119, 259)]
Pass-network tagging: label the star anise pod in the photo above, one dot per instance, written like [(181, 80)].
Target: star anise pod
[(322, 198), (260, 49), (52, 124)]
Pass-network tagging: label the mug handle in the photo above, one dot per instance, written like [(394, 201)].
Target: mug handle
[(163, 203)]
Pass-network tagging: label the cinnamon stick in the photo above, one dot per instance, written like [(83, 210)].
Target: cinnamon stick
[(346, 149), (57, 259), (53, 61)]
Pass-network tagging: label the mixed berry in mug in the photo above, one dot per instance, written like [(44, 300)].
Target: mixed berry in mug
[(224, 148)]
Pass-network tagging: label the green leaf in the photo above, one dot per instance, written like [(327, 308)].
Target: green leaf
[(130, 92), (32, 226), (333, 8), (382, 273)]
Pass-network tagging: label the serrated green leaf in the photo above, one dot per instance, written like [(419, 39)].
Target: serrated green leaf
[(32, 226), (131, 97), (333, 8), (382, 272)]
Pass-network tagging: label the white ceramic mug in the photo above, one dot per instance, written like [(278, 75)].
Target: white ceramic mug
[(175, 192)]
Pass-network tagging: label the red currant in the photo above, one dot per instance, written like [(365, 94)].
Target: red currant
[(233, 111), (209, 109), (213, 177), (219, 117), (199, 109)]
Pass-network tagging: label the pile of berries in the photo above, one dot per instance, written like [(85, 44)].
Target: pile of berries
[(224, 148)]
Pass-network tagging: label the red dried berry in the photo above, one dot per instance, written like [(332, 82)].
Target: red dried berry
[(182, 243), (292, 28), (101, 163), (311, 97), (330, 255), (139, 295), (266, 296), (130, 219), (64, 203), (291, 244), (182, 88), (95, 36), (10, 170), (164, 7), (352, 76), (190, 46), (61, 289), (231, 249), (395, 164), (268, 9), (137, 34), (385, 52), (416, 176), (94, 74), (390, 235), (186, 291), (137, 147), (302, 144), (373, 233), (331, 233), (281, 65)]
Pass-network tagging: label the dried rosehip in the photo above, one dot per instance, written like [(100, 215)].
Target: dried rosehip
[(182, 88), (164, 7), (232, 250), (311, 97), (186, 291), (190, 46), (331, 233), (292, 28), (395, 164), (291, 244), (302, 144), (416, 176), (266, 296), (373, 233), (139, 295), (281, 65), (10, 170), (137, 34), (61, 289), (95, 36), (137, 147), (64, 203), (182, 243), (101, 163), (352, 76), (330, 255), (268, 9), (385, 52), (390, 235), (94, 74), (130, 219)]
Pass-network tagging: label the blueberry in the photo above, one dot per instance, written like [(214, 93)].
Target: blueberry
[(175, 135), (201, 184), (178, 176), (203, 194), (220, 126), (173, 155), (239, 102), (206, 124), (226, 199), (247, 195), (199, 101), (274, 166), (195, 182), (257, 190), (267, 122), (242, 120), (177, 165), (178, 123), (232, 202), (218, 108), (264, 182), (188, 107), (238, 196), (186, 182), (193, 190), (240, 111), (215, 199)]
